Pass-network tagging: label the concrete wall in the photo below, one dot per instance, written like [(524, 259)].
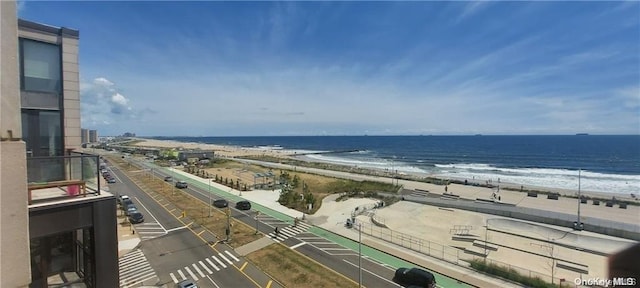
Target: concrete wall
[(71, 92), (15, 268), (612, 228)]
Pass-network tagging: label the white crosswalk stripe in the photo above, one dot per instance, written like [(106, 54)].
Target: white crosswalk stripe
[(289, 231), (225, 258), (193, 276), (231, 255), (198, 270), (201, 268), (149, 230), (213, 265), (205, 267), (134, 269)]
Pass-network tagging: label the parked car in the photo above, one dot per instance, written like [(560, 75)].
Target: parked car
[(126, 203), (122, 197), (220, 203), (186, 284), (414, 277), (111, 180), (181, 184), (243, 205), (168, 179), (136, 217), (130, 209)]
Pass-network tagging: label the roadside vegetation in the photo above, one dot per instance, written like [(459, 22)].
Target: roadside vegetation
[(511, 274), (293, 269)]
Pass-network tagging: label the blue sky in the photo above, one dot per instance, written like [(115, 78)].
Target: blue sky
[(354, 68)]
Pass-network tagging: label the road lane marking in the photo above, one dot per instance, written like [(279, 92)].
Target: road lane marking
[(243, 265), (374, 274), (234, 257), (198, 270), (181, 275), (190, 224), (175, 229), (173, 277), (269, 284), (193, 276), (151, 214), (201, 232), (225, 258), (219, 262), (214, 265), (205, 267), (214, 283), (298, 245)]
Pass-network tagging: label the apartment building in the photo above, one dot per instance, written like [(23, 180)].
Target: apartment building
[(57, 226)]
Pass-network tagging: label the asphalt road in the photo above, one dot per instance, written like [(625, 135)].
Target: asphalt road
[(178, 253)]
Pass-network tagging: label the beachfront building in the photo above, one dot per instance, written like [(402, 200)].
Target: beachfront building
[(93, 136), (196, 155), (58, 227), (84, 136)]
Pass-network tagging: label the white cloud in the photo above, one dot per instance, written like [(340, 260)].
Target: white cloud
[(102, 104)]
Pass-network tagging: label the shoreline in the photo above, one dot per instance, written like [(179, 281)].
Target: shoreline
[(231, 152)]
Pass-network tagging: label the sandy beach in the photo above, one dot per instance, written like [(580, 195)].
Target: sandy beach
[(236, 151)]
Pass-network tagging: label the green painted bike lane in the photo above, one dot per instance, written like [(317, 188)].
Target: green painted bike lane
[(375, 254), (381, 257)]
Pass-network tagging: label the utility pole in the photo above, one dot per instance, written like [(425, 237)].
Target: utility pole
[(256, 217), (209, 180), (579, 200), (228, 231)]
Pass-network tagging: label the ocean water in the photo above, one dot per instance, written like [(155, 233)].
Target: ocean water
[(609, 164)]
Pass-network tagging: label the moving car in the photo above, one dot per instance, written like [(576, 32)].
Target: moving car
[(168, 179), (243, 205), (414, 277), (186, 284), (136, 217), (181, 184), (220, 203)]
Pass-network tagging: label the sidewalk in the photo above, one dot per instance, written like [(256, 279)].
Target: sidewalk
[(127, 238)]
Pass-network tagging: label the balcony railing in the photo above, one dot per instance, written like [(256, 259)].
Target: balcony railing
[(60, 177)]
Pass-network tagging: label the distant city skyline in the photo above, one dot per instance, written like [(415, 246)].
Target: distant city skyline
[(354, 68)]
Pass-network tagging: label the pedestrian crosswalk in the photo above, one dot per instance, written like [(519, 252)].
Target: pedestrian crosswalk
[(289, 231), (204, 267), (134, 269), (149, 230)]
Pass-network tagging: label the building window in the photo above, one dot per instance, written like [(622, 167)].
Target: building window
[(40, 63), (42, 132)]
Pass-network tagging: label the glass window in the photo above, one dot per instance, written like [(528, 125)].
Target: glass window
[(40, 66)]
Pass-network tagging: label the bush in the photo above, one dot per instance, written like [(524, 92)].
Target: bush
[(510, 273)]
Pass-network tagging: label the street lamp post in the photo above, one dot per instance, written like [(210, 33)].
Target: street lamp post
[(579, 200), (359, 254), (209, 181), (257, 214)]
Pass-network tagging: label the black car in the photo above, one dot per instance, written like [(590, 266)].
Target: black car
[(243, 205), (414, 277), (181, 184), (220, 203), (136, 217)]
